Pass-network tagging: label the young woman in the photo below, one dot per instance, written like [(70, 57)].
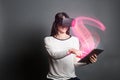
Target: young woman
[(63, 49)]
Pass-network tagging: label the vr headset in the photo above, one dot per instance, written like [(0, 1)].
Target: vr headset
[(66, 22)]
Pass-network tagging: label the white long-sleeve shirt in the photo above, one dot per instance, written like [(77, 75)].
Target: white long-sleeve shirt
[(62, 64)]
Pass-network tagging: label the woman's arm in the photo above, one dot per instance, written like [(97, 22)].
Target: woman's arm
[(54, 53)]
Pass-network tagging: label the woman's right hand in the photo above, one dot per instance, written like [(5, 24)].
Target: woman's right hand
[(75, 51)]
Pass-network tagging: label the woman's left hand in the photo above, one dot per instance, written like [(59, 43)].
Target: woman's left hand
[(93, 58)]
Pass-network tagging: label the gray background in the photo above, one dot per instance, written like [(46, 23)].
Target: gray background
[(24, 24)]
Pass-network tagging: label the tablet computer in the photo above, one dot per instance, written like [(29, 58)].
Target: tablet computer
[(94, 51)]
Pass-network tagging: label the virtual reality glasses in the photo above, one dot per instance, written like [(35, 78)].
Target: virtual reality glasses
[(66, 22)]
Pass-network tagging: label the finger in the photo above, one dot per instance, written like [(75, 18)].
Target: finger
[(93, 59), (80, 53), (95, 55)]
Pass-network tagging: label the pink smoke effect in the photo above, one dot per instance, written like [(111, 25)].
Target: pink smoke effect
[(88, 40)]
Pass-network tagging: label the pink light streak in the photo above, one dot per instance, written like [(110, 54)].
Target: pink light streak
[(88, 40)]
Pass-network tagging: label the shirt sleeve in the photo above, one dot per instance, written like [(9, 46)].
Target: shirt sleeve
[(52, 52)]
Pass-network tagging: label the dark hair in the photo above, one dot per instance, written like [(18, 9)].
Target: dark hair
[(58, 21)]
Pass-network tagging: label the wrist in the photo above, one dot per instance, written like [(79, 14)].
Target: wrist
[(68, 52)]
